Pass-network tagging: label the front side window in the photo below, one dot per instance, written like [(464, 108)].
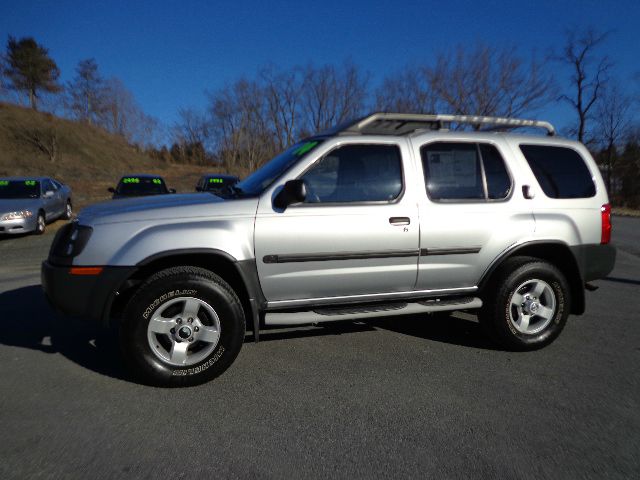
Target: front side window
[(560, 171), (356, 173), (464, 172)]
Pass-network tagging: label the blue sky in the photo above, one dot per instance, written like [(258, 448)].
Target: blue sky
[(169, 52)]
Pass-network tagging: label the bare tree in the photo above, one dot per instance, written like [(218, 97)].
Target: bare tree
[(239, 119), (282, 94), (332, 95), (42, 138), (85, 94), (122, 115), (489, 81), (589, 75), (613, 123), (407, 91)]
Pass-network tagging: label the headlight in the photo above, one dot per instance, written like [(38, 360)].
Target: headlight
[(70, 240), (17, 215)]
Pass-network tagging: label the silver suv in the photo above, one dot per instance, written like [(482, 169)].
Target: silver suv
[(393, 214)]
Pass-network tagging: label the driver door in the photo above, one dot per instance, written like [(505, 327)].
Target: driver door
[(355, 234)]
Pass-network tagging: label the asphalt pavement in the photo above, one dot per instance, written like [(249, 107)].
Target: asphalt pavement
[(405, 397)]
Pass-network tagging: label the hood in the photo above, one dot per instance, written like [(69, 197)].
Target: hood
[(16, 204), (159, 207)]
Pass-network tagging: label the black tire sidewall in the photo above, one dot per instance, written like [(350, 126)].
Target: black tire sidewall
[(505, 331), (133, 333)]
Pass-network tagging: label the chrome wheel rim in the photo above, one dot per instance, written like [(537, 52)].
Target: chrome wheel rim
[(69, 211), (532, 306), (184, 331), (40, 223)]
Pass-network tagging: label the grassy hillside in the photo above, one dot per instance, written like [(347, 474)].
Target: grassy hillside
[(87, 158)]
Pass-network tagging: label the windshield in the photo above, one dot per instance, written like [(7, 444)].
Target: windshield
[(214, 184), (262, 178), (19, 189), (134, 186)]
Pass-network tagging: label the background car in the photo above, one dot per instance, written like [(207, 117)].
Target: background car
[(215, 183), (27, 204), (140, 186)]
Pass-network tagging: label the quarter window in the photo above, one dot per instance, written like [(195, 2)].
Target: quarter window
[(356, 173), (464, 171), (560, 171)]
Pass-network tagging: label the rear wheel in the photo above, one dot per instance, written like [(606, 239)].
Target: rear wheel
[(526, 305), (184, 326)]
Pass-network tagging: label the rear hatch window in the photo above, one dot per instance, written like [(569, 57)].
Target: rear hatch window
[(560, 171)]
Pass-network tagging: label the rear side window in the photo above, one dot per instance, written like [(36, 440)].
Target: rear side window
[(464, 171), (356, 173), (560, 171)]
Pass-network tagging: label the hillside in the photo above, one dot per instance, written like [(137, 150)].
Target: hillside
[(87, 158)]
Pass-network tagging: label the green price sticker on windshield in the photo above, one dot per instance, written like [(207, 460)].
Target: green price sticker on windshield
[(130, 180), (216, 180), (305, 148), (4, 183), (30, 183), (157, 181)]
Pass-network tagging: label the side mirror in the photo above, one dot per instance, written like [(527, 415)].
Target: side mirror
[(111, 190), (172, 190), (48, 194), (293, 191)]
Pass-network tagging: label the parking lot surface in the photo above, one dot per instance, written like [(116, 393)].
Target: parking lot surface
[(402, 397)]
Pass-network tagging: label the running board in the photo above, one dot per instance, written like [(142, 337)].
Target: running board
[(369, 311)]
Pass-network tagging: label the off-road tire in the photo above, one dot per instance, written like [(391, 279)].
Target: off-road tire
[(159, 290), (495, 316)]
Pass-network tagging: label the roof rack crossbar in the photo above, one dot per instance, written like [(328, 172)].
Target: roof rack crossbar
[(409, 122)]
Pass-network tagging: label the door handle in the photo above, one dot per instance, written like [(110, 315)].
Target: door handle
[(399, 220), (528, 192)]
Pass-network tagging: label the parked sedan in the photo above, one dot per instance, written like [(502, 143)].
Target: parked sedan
[(215, 183), (140, 186), (27, 204)]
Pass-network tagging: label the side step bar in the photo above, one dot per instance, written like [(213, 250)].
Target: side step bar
[(369, 311)]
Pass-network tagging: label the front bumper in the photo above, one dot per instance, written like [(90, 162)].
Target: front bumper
[(87, 296), (19, 225)]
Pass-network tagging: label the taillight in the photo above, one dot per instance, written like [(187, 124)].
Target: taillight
[(605, 213)]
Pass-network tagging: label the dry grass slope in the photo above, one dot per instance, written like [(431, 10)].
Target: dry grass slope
[(87, 158)]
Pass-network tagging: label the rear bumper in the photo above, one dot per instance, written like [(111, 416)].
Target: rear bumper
[(87, 296), (595, 261)]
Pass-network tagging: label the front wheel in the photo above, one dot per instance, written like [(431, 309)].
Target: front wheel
[(184, 326), (41, 224), (526, 305), (68, 211)]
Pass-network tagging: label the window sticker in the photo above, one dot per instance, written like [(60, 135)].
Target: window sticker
[(453, 168)]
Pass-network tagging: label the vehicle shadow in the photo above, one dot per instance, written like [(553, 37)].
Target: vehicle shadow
[(28, 321), (622, 280)]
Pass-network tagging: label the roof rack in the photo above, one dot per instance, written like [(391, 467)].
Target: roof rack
[(405, 123)]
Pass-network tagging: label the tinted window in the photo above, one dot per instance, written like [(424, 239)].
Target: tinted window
[(452, 171), (19, 189), (47, 186), (356, 173), (498, 181), (135, 186), (560, 171)]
